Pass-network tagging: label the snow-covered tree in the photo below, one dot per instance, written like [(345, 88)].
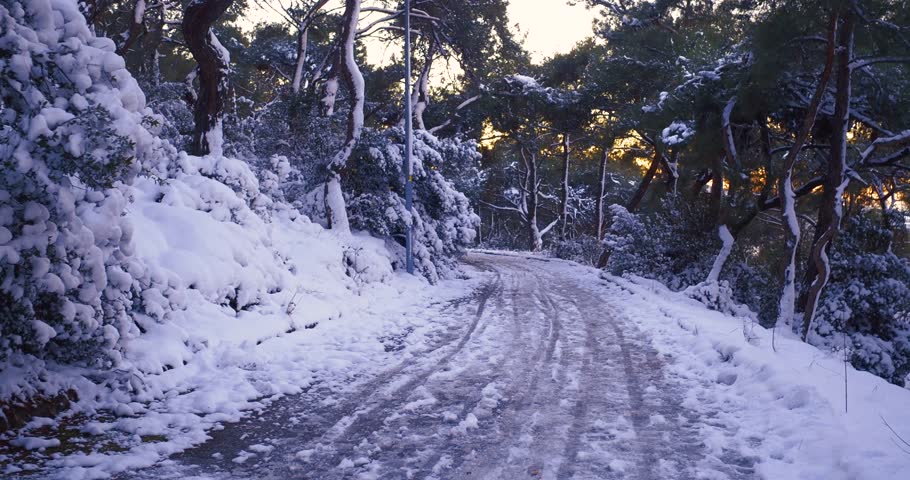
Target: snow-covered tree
[(443, 220), (525, 111)]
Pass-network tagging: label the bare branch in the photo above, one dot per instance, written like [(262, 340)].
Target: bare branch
[(862, 63)]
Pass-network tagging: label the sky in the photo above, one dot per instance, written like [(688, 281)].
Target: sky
[(548, 26), (551, 26)]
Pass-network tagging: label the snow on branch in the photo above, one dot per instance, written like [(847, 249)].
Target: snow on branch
[(894, 140), (729, 145), (676, 133), (862, 63)]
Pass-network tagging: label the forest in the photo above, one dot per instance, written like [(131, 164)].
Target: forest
[(753, 155)]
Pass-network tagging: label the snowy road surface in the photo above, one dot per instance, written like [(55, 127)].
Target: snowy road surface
[(539, 375)]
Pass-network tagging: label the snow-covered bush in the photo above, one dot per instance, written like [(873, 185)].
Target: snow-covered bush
[(755, 286), (666, 245), (689, 237), (868, 297), (584, 249), (290, 126), (632, 247), (718, 296), (444, 224), (172, 101), (208, 222), (75, 132)]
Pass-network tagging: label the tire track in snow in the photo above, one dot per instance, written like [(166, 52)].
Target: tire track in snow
[(548, 380), (521, 383), (360, 421), (533, 424), (302, 420)]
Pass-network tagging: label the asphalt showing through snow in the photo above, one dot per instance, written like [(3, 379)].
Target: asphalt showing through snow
[(538, 377)]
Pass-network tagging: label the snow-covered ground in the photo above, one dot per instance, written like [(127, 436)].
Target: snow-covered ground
[(243, 364), (533, 368), (255, 302), (786, 405)]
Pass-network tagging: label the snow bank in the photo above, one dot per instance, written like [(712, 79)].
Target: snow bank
[(268, 303), (786, 408)]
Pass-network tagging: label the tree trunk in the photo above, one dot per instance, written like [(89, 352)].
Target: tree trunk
[(212, 62), (717, 194), (535, 239), (330, 93), (601, 191), (157, 37), (564, 194), (303, 32), (672, 173), (790, 221), (137, 25), (718, 211), (831, 210), (422, 93), (346, 67), (726, 240), (302, 36), (645, 183)]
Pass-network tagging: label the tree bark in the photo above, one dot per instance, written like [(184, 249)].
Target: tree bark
[(727, 238), (137, 25), (422, 93), (672, 173), (831, 210), (719, 213), (303, 29), (212, 66), (157, 38)]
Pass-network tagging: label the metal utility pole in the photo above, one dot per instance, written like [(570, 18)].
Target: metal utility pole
[(408, 178)]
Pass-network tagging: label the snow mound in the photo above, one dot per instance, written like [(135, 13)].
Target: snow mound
[(770, 396)]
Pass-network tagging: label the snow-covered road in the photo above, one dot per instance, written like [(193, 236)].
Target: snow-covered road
[(540, 376)]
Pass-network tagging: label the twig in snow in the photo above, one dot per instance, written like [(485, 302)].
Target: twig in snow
[(896, 435), (292, 304)]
